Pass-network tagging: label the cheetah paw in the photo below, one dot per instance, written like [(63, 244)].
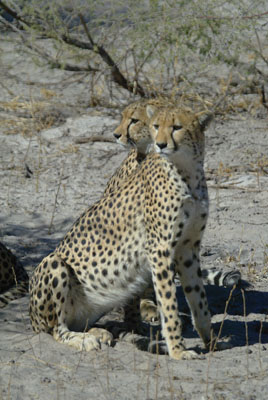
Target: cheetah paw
[(149, 311), (78, 340), (102, 335), (180, 354)]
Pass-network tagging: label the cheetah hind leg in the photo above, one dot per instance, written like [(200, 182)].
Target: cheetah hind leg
[(50, 313)]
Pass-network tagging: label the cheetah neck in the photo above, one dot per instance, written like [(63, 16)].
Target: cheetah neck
[(191, 171)]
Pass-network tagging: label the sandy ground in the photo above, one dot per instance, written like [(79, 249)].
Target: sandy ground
[(49, 176)]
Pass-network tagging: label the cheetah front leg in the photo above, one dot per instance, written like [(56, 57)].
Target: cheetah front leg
[(165, 290), (188, 267)]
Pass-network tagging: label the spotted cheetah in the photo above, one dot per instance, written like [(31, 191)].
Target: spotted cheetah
[(133, 130), (13, 277), (147, 229)]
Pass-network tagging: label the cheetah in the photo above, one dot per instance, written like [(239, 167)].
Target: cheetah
[(147, 230), (133, 131), (133, 128), (14, 279)]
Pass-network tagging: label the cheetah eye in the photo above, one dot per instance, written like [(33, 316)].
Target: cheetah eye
[(134, 120), (177, 127), (156, 127)]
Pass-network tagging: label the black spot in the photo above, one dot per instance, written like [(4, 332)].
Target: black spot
[(188, 263), (55, 282), (104, 272), (165, 274), (159, 276), (168, 295), (54, 264), (197, 243), (166, 253), (188, 289), (197, 288)]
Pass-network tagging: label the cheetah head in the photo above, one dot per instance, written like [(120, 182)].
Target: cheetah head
[(177, 131), (133, 129)]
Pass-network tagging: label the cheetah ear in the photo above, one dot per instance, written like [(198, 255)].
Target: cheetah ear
[(150, 110), (204, 118)]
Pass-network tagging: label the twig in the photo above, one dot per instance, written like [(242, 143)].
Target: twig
[(234, 187), (263, 98), (55, 203), (260, 333), (12, 13), (117, 76), (215, 341), (93, 139), (212, 17), (246, 329)]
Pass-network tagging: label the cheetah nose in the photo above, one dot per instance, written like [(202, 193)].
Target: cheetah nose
[(161, 145), (117, 135)]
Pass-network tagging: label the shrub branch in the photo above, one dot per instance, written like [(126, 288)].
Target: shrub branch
[(116, 74)]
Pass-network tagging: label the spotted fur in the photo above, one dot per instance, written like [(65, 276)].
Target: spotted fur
[(133, 131), (13, 277), (149, 228)]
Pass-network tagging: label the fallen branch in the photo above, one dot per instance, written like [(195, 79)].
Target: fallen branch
[(93, 139), (245, 189)]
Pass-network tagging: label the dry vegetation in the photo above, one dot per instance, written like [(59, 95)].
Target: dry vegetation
[(91, 58)]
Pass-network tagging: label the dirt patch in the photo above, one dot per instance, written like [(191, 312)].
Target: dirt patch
[(50, 173)]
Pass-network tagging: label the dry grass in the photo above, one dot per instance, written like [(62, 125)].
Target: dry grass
[(28, 117)]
